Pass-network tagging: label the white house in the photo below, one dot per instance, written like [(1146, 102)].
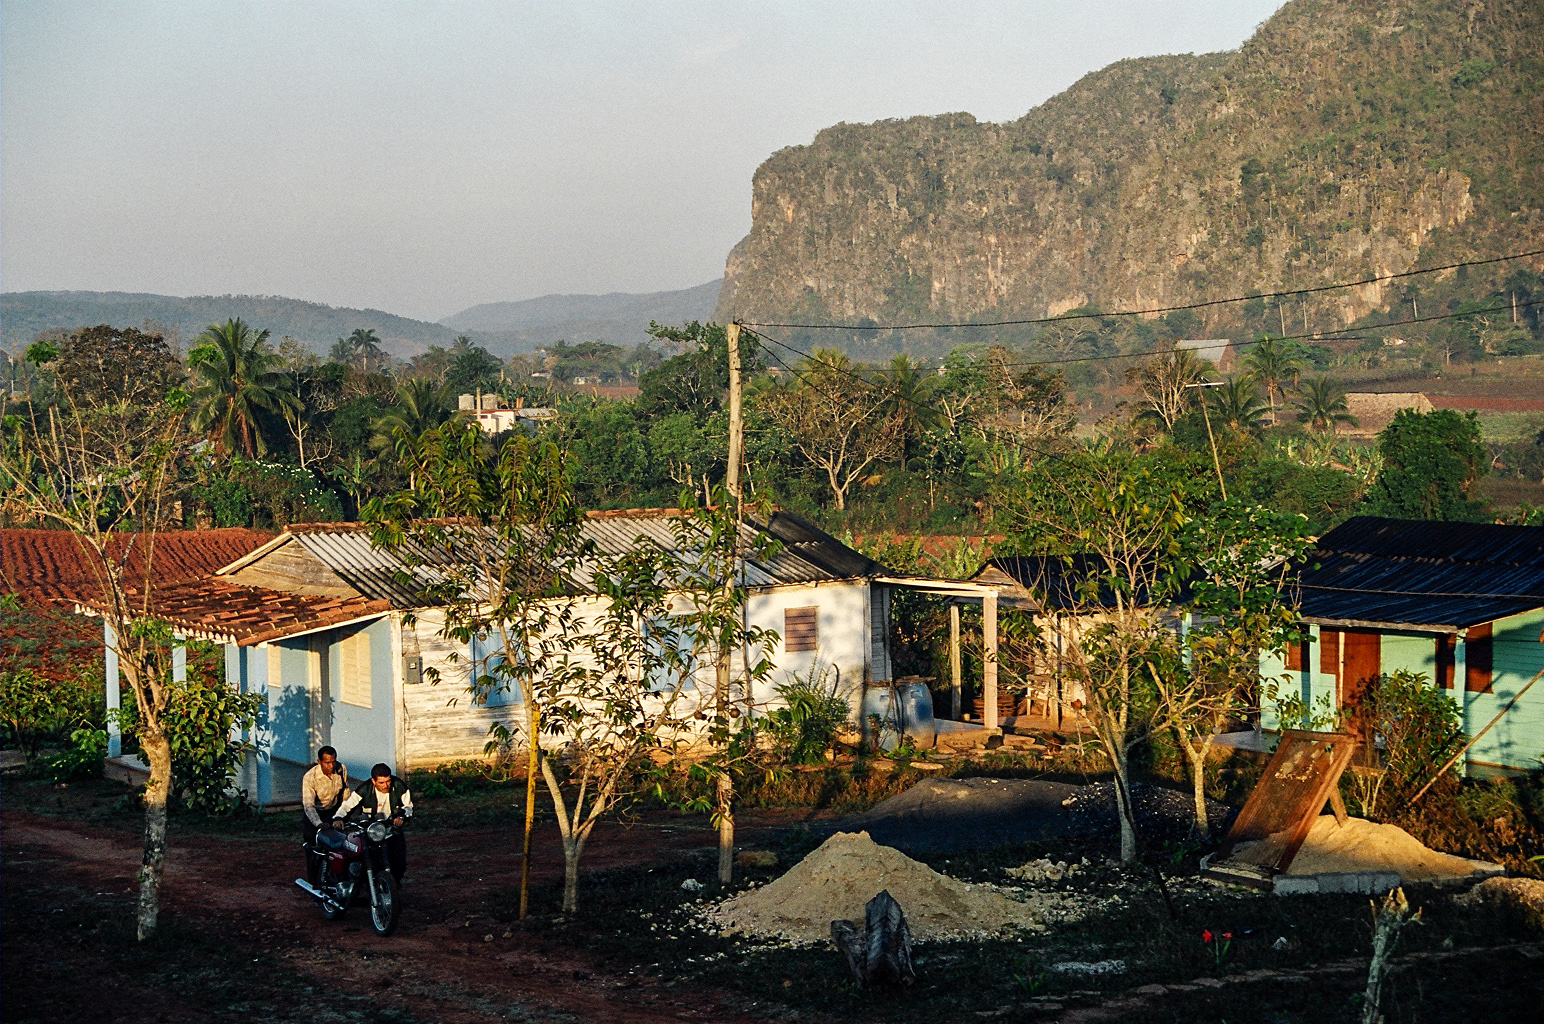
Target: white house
[(317, 620)]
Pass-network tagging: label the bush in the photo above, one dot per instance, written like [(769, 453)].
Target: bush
[(1413, 728), (804, 729), (35, 709), (82, 758), (200, 719)]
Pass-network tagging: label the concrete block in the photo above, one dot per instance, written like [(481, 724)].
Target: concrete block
[(1295, 885)]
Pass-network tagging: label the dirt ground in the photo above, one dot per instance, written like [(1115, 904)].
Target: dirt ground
[(437, 966), (239, 941)]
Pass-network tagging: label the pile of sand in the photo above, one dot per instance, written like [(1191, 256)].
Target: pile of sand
[(849, 869), (1524, 893), (1361, 845)]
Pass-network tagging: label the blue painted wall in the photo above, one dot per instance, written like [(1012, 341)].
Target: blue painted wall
[(364, 736)]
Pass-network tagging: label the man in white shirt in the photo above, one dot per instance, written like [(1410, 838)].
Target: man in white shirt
[(383, 795), (322, 789)]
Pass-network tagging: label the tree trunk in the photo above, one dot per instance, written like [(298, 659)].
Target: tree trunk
[(1128, 835), (157, 750), (1198, 781), (533, 765), (573, 846), (839, 492), (724, 811)]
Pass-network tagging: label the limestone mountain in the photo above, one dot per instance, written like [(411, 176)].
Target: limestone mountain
[(1341, 140)]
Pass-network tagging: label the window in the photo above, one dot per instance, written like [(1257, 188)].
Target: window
[(354, 669), (274, 654), (1479, 657), (801, 629), (487, 657)]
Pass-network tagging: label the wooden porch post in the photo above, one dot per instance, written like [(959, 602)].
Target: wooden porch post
[(954, 660), (989, 659), (114, 700)]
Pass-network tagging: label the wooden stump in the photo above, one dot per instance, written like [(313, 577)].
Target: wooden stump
[(879, 953)]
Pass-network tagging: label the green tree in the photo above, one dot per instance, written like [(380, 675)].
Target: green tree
[(365, 348), (1236, 404), (909, 401), (421, 405), (1322, 406), (1432, 465), (472, 368), (1274, 365), (239, 380)]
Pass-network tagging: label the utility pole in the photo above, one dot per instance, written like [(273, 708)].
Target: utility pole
[(724, 809)]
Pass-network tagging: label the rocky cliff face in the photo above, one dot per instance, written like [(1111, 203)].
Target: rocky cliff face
[(1342, 140)]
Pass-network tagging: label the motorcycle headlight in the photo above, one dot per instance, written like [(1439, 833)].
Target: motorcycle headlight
[(377, 831)]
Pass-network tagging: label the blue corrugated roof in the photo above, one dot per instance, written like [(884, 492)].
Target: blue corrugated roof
[(1417, 573)]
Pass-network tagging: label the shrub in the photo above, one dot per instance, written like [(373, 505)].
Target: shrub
[(35, 709), (1413, 728), (201, 719), (804, 728), (82, 758)]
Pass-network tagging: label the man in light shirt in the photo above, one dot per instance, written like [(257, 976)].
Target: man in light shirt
[(322, 789), (383, 795)]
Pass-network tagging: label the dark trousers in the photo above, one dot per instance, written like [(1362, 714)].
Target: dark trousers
[(396, 855), (308, 833)]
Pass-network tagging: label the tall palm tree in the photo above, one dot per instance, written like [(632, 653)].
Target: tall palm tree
[(366, 346), (909, 401), (1274, 364), (1323, 405), (239, 379), (1237, 403)]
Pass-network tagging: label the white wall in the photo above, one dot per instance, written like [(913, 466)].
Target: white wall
[(845, 636)]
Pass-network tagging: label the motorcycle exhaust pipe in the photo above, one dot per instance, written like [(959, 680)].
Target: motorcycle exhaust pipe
[(314, 891)]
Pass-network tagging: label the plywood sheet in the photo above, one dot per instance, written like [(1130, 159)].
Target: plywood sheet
[(1290, 795)]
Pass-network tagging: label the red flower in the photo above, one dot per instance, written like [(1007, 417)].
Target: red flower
[(1228, 936), (1206, 935)]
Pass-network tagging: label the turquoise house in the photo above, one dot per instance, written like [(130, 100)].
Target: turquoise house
[(1460, 603)]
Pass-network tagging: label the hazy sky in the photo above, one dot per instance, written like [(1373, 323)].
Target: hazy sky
[(420, 158)]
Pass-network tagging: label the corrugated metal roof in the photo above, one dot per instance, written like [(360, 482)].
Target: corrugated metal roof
[(1403, 572), (807, 554)]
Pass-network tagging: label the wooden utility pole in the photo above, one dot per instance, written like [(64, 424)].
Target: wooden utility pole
[(724, 802)]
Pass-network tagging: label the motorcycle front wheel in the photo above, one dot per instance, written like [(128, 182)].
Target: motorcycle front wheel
[(383, 903)]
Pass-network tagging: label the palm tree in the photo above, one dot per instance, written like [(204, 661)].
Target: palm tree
[(422, 404), (1274, 365), (1237, 404), (365, 345), (910, 399), (1323, 406), (239, 379)]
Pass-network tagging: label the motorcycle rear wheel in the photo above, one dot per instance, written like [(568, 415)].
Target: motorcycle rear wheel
[(383, 904), (326, 880)]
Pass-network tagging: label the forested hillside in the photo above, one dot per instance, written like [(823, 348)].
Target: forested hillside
[(24, 315), (1341, 141)]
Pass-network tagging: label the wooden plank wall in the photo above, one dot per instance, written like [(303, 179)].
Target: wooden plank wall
[(293, 569), (437, 729)]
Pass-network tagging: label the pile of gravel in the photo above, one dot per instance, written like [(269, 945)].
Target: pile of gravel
[(1161, 814)]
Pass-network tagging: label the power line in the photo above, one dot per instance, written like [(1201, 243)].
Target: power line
[(1309, 336), (1155, 311)]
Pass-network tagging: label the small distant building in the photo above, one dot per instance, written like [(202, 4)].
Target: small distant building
[(1461, 603), (492, 417), (1219, 351)]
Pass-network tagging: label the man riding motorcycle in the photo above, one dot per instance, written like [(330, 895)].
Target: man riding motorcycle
[(383, 795), (322, 790)]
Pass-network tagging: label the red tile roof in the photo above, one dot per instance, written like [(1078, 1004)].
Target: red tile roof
[(214, 609), (51, 567)]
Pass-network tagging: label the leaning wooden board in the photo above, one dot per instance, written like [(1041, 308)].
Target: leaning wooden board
[(1302, 776)]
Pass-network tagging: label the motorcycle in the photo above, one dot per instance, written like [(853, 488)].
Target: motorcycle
[(348, 860)]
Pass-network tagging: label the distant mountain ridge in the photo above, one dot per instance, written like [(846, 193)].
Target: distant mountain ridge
[(504, 328), (617, 317), (23, 315)]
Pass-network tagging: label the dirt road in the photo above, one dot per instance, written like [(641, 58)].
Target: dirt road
[(439, 966)]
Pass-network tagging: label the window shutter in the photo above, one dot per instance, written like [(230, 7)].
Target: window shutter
[(1445, 661), (275, 665), (1479, 659), (354, 668), (801, 629), (1329, 652)]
